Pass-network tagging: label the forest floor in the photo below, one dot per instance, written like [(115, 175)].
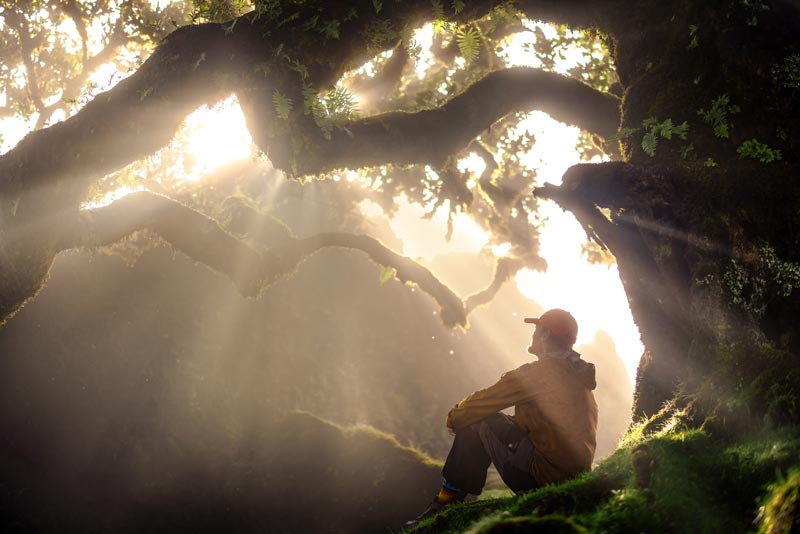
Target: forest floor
[(664, 477)]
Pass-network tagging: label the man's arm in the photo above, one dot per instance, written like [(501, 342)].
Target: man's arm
[(509, 390)]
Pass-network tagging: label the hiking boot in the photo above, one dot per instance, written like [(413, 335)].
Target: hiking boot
[(434, 508)]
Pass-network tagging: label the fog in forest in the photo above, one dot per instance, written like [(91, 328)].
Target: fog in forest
[(145, 394)]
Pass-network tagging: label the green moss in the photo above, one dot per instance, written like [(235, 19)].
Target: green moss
[(668, 475), (780, 512), (554, 524)]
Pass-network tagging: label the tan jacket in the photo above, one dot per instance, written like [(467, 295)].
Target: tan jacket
[(553, 401)]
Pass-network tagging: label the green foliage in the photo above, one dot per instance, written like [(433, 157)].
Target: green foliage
[(283, 104), (458, 6), (299, 68), (655, 129), (780, 511), (752, 148), (694, 41), (753, 8), (328, 28), (438, 10), (216, 11), (469, 42), (754, 285), (668, 475), (787, 72), (387, 273), (330, 111), (551, 524), (717, 116), (440, 22), (380, 31), (775, 391)]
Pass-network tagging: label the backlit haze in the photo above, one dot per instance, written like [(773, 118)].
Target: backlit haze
[(217, 135), (139, 389)]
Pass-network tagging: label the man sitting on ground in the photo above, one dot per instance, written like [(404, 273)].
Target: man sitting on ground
[(551, 436)]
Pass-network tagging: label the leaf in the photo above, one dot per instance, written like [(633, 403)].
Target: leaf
[(378, 5), (458, 6), (387, 273), (299, 68), (340, 104), (665, 129), (622, 133), (468, 43), (717, 116), (681, 130), (752, 148), (311, 101), (283, 104), (649, 143), (438, 10), (649, 122)]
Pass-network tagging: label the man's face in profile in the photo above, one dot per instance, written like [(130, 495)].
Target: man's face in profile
[(537, 341)]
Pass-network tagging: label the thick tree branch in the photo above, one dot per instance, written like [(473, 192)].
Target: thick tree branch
[(138, 116), (624, 241), (377, 89), (431, 136), (196, 235), (452, 309), (504, 269), (273, 234), (44, 178)]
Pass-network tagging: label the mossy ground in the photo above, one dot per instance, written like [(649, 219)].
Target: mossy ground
[(664, 477)]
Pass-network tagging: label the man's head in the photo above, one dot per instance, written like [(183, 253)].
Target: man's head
[(556, 330)]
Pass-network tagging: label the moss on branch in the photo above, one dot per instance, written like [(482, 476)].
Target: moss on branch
[(431, 136), (189, 231)]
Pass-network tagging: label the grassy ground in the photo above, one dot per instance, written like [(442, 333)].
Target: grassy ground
[(664, 477)]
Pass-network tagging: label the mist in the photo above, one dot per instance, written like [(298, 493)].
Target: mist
[(144, 394)]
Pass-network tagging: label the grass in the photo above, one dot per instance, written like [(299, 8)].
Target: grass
[(664, 477)]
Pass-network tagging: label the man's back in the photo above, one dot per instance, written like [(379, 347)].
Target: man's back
[(560, 415), (550, 438)]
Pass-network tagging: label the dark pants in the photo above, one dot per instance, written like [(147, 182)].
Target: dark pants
[(495, 439)]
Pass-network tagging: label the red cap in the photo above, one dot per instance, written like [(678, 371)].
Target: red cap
[(560, 323)]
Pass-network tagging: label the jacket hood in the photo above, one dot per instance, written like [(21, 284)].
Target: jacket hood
[(583, 369)]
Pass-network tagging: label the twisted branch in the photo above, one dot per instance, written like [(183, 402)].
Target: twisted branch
[(431, 136), (194, 234)]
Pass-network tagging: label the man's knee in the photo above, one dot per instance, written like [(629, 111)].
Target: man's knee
[(484, 430)]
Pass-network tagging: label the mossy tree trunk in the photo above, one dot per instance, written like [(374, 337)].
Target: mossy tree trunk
[(703, 213)]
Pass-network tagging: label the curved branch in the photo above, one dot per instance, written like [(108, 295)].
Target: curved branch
[(430, 136), (494, 192), (621, 236), (378, 88), (196, 235), (453, 311), (504, 269), (135, 118), (272, 233)]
